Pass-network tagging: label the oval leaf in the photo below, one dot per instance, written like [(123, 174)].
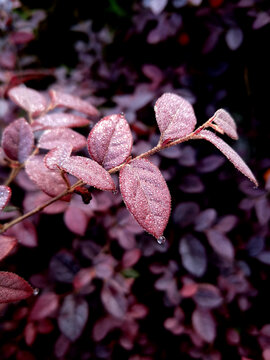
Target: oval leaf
[(5, 194), (51, 139), (230, 154), (89, 171), (74, 102), (7, 243), (56, 157), (56, 120), (13, 287), (224, 120), (110, 141), (175, 117), (18, 140), (44, 306), (204, 324), (221, 244), (28, 99), (146, 195), (208, 296)]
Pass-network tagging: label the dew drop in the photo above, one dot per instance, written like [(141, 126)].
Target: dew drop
[(122, 114), (35, 291), (115, 192), (161, 240)]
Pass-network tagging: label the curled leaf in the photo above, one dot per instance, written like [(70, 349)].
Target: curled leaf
[(56, 120), (18, 140), (5, 194), (53, 138), (146, 195), (224, 120), (110, 141), (13, 287), (7, 243), (175, 117)]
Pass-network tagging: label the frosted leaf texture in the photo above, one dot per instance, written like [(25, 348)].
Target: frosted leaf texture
[(110, 141), (146, 195), (229, 153), (50, 181), (56, 157), (53, 138), (13, 287), (224, 120), (175, 117), (18, 140), (5, 194), (28, 99), (56, 120), (89, 171), (70, 101), (7, 243)]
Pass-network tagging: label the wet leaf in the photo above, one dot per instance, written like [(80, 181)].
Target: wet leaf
[(224, 120), (5, 195), (53, 138), (13, 287), (7, 243), (56, 157), (56, 120)]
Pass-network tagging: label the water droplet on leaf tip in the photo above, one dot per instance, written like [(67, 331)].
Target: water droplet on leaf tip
[(161, 240), (122, 114), (35, 291)]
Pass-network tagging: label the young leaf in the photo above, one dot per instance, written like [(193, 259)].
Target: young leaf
[(110, 141), (49, 181), (56, 157), (175, 117), (28, 99), (74, 102), (56, 120), (13, 287), (5, 194), (146, 195), (51, 139), (224, 120), (7, 243), (18, 140), (230, 154), (89, 172)]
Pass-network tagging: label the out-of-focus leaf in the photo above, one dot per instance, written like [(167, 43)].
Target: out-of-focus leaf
[(103, 326), (18, 140), (175, 117), (76, 220), (110, 141), (208, 296), (53, 138), (204, 324), (7, 243), (226, 223), (114, 302), (146, 195), (131, 257), (13, 287), (191, 184), (185, 213), (210, 163), (63, 267), (234, 38), (205, 219), (224, 120), (25, 232), (262, 208), (73, 317), (45, 305), (221, 244), (56, 120), (5, 194), (157, 6)]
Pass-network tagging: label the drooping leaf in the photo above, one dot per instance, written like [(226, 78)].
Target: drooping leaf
[(230, 154), (29, 99), (18, 140), (13, 287), (224, 120), (110, 141), (73, 317), (7, 243), (53, 138), (56, 157), (44, 306), (146, 195), (89, 171), (204, 324), (74, 102), (55, 120), (5, 195), (175, 117), (49, 181)]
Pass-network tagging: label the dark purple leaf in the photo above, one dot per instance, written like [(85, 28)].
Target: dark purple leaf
[(5, 195), (13, 287), (45, 305), (56, 157), (210, 163), (255, 245), (175, 117), (262, 208), (103, 326), (225, 122), (18, 140), (53, 138), (226, 223), (187, 157), (208, 296), (204, 324), (110, 141), (131, 257), (221, 244), (89, 171), (146, 195), (7, 243), (186, 213), (73, 317), (114, 302), (21, 37), (28, 99), (191, 184), (264, 257), (193, 255), (56, 120), (63, 267), (205, 219), (230, 154)]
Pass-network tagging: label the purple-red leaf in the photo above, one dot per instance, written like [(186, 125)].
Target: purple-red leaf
[(49, 181), (230, 154), (110, 141), (7, 243), (73, 317), (74, 102), (5, 194), (89, 171), (45, 305), (114, 302), (76, 220), (56, 120), (146, 195), (13, 287), (175, 117), (18, 140), (204, 324), (56, 157), (51, 139), (25, 232), (28, 99), (224, 120), (208, 296)]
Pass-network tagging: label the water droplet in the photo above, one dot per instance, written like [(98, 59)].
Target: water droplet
[(161, 240), (115, 192), (122, 114), (35, 291)]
